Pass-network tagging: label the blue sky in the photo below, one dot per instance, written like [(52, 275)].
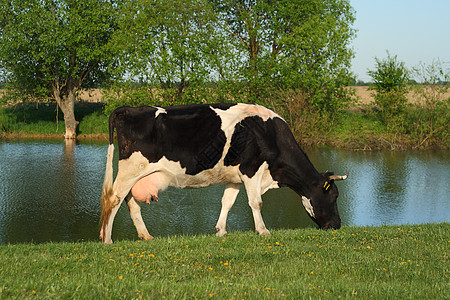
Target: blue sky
[(414, 30)]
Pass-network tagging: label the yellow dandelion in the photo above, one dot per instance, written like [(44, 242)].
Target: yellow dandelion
[(120, 277)]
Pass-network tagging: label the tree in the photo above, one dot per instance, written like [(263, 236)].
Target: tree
[(169, 44), (301, 44), (57, 46)]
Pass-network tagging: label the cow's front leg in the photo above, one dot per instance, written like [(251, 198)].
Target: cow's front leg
[(253, 187), (135, 214), (228, 199), (255, 203)]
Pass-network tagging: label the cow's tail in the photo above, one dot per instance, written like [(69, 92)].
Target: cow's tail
[(107, 192)]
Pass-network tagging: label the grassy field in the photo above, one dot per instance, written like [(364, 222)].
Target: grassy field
[(388, 262)]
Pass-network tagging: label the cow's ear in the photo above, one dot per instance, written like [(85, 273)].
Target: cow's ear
[(328, 182), (327, 185)]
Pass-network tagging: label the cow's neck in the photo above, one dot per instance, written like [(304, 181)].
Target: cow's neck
[(299, 174)]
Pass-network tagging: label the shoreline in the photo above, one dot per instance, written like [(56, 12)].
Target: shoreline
[(372, 143), (357, 128)]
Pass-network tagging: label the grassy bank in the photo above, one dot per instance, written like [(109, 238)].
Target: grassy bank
[(354, 129), (43, 120), (389, 262)]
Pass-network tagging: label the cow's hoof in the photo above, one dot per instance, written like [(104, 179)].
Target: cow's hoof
[(146, 237), (221, 233), (264, 232)]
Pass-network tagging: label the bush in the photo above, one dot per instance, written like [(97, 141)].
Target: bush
[(431, 115), (390, 83), (308, 124), (132, 94)]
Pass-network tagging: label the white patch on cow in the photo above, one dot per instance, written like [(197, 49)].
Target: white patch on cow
[(170, 173), (239, 112), (307, 204), (235, 114), (267, 182), (159, 110)]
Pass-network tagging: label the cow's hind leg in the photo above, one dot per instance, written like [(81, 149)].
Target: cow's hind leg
[(112, 198), (135, 213), (108, 217), (229, 196)]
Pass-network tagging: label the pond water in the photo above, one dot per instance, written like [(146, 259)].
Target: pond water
[(50, 191)]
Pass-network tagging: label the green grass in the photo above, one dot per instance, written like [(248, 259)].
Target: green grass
[(29, 119), (388, 262), (352, 129)]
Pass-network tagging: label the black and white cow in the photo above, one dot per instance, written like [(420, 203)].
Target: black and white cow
[(202, 145)]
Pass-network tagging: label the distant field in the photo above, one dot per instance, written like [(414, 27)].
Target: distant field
[(363, 94)]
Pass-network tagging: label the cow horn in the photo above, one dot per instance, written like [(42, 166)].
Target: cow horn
[(338, 177)]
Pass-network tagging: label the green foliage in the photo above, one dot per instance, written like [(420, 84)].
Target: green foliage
[(300, 45), (239, 51), (431, 113), (390, 83), (43, 119), (170, 45), (53, 48), (393, 262), (47, 43), (131, 94)]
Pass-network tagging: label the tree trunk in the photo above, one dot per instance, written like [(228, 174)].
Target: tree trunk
[(66, 102)]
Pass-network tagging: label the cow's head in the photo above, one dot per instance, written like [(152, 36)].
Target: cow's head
[(321, 204)]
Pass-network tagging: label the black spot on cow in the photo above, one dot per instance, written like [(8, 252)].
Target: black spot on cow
[(180, 134), (252, 143)]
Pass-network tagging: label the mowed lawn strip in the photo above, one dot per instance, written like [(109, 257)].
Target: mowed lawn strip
[(395, 262)]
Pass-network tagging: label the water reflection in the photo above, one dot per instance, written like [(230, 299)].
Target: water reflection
[(49, 191), (390, 187)]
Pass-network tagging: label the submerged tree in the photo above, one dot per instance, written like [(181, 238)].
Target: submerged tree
[(57, 46)]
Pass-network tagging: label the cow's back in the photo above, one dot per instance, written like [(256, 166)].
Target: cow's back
[(189, 134)]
